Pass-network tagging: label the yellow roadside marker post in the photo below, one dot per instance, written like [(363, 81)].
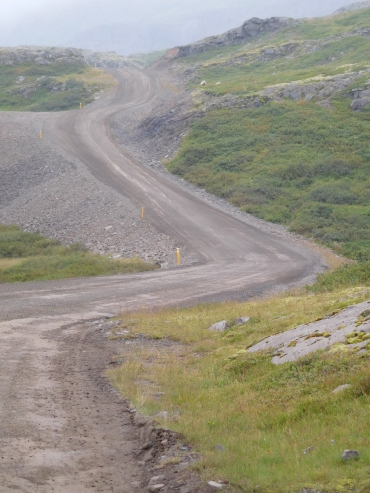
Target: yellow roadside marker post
[(142, 213), (178, 255), (40, 134)]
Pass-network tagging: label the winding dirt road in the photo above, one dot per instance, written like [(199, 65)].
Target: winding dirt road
[(51, 438)]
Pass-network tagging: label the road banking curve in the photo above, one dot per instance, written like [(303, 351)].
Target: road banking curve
[(238, 260)]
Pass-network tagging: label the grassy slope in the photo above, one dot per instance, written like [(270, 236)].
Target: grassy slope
[(294, 163), (81, 82), (264, 416), (31, 257)]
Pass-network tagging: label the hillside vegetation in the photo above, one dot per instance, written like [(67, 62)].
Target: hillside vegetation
[(285, 136), (48, 80), (261, 427), (32, 257)]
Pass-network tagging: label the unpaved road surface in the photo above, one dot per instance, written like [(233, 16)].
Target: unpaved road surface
[(62, 429)]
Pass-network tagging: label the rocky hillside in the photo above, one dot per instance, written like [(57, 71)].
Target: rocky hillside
[(353, 6), (250, 29), (275, 119), (50, 79)]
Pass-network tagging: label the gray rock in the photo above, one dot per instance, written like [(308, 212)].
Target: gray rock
[(308, 450), (220, 448), (214, 486), (242, 320), (219, 326), (250, 29), (353, 6), (156, 480), (360, 104), (350, 454), (155, 487), (148, 456), (341, 388)]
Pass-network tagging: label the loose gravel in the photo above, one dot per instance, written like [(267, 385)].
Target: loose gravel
[(40, 190)]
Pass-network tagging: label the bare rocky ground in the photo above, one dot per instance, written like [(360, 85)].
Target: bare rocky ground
[(40, 190)]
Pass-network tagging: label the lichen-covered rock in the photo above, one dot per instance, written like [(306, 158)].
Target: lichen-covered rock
[(219, 326), (350, 454)]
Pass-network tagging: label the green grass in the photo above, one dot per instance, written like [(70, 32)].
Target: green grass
[(264, 416), (32, 257), (80, 84), (357, 274), (240, 73), (292, 163)]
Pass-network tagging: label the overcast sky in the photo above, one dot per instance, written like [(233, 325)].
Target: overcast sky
[(61, 22)]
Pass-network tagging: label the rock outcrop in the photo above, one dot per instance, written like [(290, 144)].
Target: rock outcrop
[(48, 55), (353, 6), (251, 29), (39, 55)]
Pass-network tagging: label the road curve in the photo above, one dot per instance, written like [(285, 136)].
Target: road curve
[(238, 259), (63, 429)]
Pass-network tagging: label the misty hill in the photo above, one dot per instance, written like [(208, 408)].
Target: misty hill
[(131, 27), (280, 123), (51, 79)]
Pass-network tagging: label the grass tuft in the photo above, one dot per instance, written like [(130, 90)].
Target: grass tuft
[(32, 257)]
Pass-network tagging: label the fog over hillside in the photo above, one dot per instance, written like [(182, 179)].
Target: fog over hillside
[(145, 25)]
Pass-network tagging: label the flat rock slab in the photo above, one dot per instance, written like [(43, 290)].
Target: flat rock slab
[(301, 340), (219, 326)]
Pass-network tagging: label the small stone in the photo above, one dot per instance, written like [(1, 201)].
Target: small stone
[(155, 487), (148, 456), (341, 388), (219, 326), (350, 454), (214, 486), (220, 448), (242, 320), (308, 450), (156, 480)]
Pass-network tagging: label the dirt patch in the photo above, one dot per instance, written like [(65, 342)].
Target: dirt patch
[(64, 429)]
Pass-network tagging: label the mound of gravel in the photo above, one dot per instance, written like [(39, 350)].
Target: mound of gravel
[(42, 191)]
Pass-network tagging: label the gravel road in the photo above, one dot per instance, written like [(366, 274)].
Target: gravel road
[(42, 190), (64, 430)]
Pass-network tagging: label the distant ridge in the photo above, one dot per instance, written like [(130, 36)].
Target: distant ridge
[(353, 6)]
